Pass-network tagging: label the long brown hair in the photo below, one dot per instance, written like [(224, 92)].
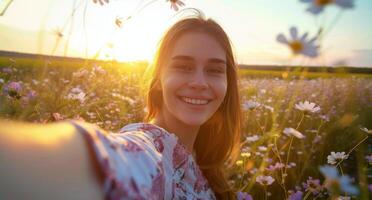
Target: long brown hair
[(217, 139)]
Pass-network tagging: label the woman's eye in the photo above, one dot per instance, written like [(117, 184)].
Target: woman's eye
[(216, 71), (183, 67)]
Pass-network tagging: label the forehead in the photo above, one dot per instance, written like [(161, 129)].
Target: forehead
[(199, 46)]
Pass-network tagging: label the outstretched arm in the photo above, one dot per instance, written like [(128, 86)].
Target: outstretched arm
[(47, 162)]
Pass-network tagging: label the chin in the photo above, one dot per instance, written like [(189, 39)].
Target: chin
[(193, 121)]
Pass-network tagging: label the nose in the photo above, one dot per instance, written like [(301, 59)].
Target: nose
[(198, 81)]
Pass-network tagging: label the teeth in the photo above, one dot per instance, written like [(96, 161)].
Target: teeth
[(195, 101)]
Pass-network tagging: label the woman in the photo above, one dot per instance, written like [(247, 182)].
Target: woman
[(191, 130)]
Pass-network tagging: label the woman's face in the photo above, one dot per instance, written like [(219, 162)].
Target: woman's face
[(193, 80)]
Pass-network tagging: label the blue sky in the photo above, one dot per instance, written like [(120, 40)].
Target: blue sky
[(29, 26)]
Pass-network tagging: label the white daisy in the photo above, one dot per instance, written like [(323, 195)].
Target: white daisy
[(335, 157), (343, 198), (293, 132), (76, 94), (307, 107), (250, 105), (252, 138), (317, 6), (366, 130), (299, 45), (269, 108), (175, 4), (262, 148), (265, 180)]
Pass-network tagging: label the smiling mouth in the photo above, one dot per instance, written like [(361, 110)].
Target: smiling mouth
[(195, 101)]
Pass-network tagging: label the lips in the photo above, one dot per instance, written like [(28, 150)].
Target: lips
[(195, 101)]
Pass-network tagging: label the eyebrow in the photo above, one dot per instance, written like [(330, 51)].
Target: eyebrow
[(189, 58)]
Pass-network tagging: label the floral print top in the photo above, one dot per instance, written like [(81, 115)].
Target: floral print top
[(144, 161)]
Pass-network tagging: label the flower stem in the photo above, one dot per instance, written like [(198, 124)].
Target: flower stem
[(342, 172), (289, 150), (307, 195), (259, 125), (299, 123), (286, 162), (307, 157), (352, 149)]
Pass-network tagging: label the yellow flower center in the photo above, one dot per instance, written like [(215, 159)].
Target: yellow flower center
[(323, 2), (296, 46)]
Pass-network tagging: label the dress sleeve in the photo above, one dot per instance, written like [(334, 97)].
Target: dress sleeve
[(130, 163)]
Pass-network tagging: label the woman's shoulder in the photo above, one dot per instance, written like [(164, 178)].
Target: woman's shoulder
[(147, 128), (128, 159), (157, 135)]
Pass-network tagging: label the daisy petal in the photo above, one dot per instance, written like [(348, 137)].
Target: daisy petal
[(294, 33), (345, 3), (281, 38), (315, 10), (303, 38), (312, 40)]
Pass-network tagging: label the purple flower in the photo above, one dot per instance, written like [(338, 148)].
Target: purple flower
[(296, 196), (276, 166), (30, 96), (244, 196), (312, 185), (7, 70), (13, 89), (369, 159)]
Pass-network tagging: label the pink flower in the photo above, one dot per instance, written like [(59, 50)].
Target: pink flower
[(57, 117), (98, 69), (265, 180), (175, 4), (277, 166)]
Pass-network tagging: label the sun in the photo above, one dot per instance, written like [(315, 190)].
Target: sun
[(126, 38)]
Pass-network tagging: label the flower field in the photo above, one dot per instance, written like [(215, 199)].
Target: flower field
[(304, 136)]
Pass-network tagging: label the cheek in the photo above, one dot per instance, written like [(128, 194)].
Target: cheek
[(169, 85), (221, 89)]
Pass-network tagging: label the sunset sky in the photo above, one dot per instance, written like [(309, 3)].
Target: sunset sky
[(31, 26)]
